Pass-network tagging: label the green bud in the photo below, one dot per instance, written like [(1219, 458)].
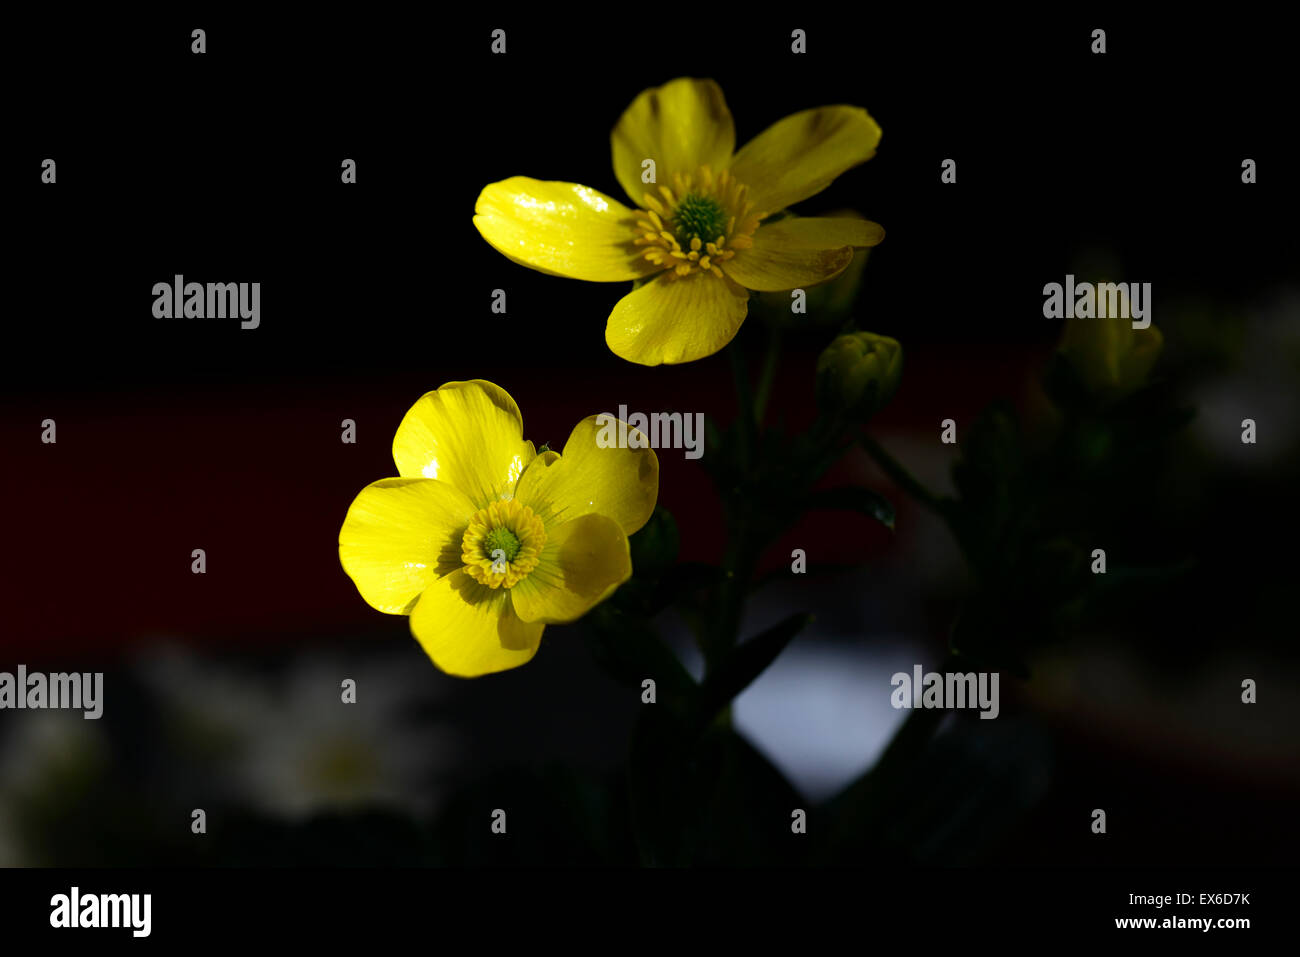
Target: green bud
[(858, 373), (1109, 356)]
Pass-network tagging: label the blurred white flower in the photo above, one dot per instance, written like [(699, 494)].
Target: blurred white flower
[(1260, 386), (45, 755), (290, 747)]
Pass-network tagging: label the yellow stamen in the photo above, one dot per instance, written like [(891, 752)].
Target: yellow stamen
[(490, 531), (706, 195)]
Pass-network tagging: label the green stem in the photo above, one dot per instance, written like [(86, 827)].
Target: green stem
[(739, 568), (902, 477), (745, 425), (771, 356), (738, 562), (866, 805)]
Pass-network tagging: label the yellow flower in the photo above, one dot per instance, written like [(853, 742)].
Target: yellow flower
[(482, 541), (698, 239)]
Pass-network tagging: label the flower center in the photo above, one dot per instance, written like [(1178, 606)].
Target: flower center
[(502, 544), (699, 217), (501, 540), (697, 223)]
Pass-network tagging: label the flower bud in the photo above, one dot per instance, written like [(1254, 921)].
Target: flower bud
[(1110, 358), (858, 373)]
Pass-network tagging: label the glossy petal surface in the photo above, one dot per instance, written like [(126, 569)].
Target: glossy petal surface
[(676, 320), (681, 125), (468, 629), (801, 155), (798, 252), (563, 229), (468, 434), (583, 562), (399, 535), (620, 483)]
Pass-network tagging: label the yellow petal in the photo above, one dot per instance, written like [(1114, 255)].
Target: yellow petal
[(681, 125), (676, 320), (796, 252), (583, 562), (562, 229), (799, 156), (594, 475), (469, 434), (399, 535), (468, 629)]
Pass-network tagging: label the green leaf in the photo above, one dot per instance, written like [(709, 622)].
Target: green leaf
[(630, 651), (853, 499), (654, 547), (743, 665), (950, 800)]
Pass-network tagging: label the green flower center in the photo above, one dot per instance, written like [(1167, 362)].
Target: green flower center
[(699, 217), (503, 539)]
